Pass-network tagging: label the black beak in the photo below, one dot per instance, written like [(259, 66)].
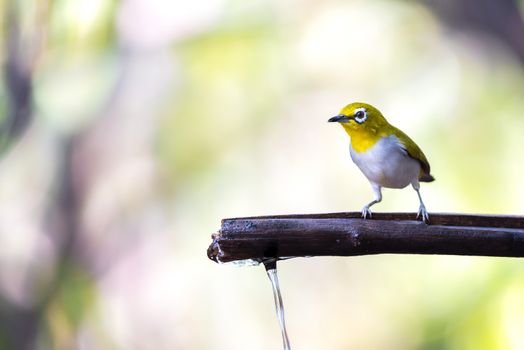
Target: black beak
[(339, 118)]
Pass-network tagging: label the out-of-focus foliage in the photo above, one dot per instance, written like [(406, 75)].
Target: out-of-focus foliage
[(149, 121)]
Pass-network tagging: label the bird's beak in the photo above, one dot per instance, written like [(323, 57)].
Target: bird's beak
[(341, 118)]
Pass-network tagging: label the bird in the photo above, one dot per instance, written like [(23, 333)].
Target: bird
[(386, 156)]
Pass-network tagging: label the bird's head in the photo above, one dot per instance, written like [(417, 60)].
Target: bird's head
[(358, 116)]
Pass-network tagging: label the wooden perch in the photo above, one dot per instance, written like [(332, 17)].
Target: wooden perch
[(347, 234)]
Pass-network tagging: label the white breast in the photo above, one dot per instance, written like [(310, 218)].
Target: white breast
[(387, 164)]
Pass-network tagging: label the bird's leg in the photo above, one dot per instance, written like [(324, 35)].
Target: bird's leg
[(378, 197), (422, 212)]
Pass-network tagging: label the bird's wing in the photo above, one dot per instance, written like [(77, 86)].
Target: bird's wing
[(412, 150)]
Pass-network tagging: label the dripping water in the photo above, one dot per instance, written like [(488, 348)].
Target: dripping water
[(271, 269)]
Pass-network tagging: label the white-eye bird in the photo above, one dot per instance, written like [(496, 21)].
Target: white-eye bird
[(386, 156)]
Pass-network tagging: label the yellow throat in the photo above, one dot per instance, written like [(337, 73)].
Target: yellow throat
[(364, 136)]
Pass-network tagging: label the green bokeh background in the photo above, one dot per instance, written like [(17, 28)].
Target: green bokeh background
[(152, 120)]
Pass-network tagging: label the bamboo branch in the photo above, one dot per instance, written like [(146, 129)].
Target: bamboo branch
[(346, 234)]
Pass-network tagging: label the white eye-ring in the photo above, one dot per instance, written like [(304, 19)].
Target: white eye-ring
[(360, 115)]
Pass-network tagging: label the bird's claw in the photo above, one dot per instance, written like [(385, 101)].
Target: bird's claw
[(423, 214), (366, 213)]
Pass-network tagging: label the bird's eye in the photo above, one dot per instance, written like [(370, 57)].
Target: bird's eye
[(360, 116)]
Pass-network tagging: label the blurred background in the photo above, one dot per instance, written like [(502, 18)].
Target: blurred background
[(129, 128)]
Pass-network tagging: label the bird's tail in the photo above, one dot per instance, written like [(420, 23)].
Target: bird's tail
[(426, 178)]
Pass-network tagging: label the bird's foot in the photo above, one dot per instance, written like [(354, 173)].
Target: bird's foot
[(366, 213), (423, 214)]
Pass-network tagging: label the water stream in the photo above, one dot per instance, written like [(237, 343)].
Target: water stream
[(271, 269)]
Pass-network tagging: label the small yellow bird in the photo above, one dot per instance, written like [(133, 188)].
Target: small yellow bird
[(386, 156)]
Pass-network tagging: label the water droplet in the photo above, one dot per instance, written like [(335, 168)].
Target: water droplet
[(271, 270), (243, 263)]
